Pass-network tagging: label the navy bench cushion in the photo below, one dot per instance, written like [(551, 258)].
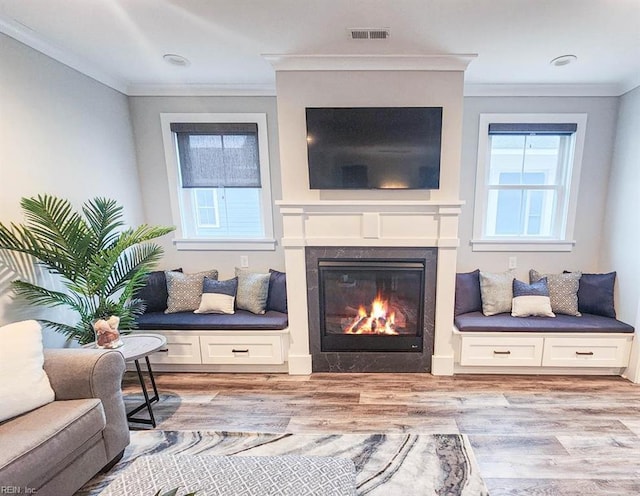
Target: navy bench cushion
[(189, 321), (504, 322)]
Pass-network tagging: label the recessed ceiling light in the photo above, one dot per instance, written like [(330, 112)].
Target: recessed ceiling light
[(173, 59), (563, 60)]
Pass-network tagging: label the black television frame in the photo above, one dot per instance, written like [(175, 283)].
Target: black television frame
[(399, 130)]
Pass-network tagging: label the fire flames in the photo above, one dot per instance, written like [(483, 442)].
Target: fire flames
[(378, 321)]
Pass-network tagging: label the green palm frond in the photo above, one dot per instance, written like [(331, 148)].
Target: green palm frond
[(37, 295), (136, 259), (104, 217), (100, 264)]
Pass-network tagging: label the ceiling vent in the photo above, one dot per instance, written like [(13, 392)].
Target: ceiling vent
[(368, 33)]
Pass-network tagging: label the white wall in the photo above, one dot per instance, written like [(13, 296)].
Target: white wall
[(60, 133), (621, 233), (145, 114), (598, 150)]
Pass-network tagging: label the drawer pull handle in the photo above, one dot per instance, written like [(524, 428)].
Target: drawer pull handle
[(239, 351), (585, 353), (166, 350), (501, 352)]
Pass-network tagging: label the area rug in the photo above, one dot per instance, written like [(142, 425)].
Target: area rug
[(386, 464)]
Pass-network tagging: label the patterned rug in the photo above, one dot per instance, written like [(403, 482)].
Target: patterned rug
[(386, 464)]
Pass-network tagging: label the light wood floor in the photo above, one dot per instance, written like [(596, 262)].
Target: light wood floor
[(531, 435)]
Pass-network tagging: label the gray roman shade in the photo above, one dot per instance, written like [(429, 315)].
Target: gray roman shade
[(532, 128), (214, 155)]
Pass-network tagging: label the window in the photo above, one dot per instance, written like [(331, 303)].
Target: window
[(219, 179), (527, 180)]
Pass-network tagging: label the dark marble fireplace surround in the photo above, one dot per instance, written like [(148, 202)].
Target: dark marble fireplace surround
[(371, 361)]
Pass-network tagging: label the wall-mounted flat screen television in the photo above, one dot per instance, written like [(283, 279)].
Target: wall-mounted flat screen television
[(374, 147)]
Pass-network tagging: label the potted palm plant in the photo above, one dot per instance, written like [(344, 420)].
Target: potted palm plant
[(100, 263)]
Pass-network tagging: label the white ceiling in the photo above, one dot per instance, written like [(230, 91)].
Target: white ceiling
[(121, 42)]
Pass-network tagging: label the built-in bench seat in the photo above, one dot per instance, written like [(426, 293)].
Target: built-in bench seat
[(564, 344), (189, 321), (217, 342), (504, 322)]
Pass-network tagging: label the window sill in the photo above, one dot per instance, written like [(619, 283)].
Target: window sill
[(225, 244), (520, 245)]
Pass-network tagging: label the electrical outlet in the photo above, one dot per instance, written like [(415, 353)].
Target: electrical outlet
[(513, 262), (244, 261)]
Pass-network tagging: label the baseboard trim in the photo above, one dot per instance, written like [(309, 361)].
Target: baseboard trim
[(299, 364), (442, 365)]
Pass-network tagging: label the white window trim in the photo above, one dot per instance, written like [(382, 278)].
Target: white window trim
[(196, 210), (268, 242), (566, 242)]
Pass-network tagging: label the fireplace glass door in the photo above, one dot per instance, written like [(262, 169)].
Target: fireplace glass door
[(371, 305)]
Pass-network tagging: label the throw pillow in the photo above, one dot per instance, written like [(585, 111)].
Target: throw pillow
[(595, 294), (277, 298), (185, 290), (468, 296), (497, 292), (563, 291), (154, 292), (253, 290), (218, 296), (24, 384), (531, 300)]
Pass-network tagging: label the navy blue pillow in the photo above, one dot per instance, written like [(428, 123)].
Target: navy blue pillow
[(277, 298), (595, 294), (468, 296), (154, 292), (228, 287), (538, 288)]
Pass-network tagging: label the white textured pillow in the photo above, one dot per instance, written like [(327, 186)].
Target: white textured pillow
[(531, 306), (24, 384)]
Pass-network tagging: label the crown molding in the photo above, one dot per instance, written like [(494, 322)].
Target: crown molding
[(471, 89), (28, 37), (629, 84), (394, 62), (148, 89)]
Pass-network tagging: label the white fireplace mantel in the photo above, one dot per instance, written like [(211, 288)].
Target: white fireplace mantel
[(369, 223)]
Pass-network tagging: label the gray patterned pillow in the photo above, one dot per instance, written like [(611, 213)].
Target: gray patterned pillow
[(563, 291), (497, 292), (253, 290), (185, 290)]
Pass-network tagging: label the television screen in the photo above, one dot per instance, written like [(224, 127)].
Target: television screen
[(374, 147)]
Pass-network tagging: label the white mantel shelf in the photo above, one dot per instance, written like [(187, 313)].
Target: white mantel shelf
[(370, 223)]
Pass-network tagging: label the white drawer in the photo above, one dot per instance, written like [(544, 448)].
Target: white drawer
[(505, 352), (241, 349), (587, 352), (181, 348)]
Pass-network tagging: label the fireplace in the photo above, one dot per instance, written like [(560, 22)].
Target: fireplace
[(371, 309), (368, 305)]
